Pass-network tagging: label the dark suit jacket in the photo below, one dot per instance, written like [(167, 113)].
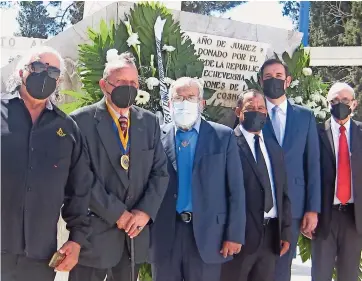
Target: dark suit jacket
[(328, 173), (115, 191), (217, 195), (301, 153), (255, 195)]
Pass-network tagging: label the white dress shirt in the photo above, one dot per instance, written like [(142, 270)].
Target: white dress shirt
[(251, 142), (335, 134), (282, 114)]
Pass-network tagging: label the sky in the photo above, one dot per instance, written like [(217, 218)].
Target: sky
[(256, 12)]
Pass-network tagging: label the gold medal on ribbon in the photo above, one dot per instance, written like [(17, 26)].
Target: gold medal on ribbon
[(125, 162)]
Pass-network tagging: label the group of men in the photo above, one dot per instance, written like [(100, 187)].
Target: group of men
[(196, 199)]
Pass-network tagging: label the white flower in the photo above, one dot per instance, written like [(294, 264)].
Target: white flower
[(112, 55), (307, 71), (322, 114), (311, 104), (316, 97), (298, 100), (152, 82), (133, 40), (142, 97), (291, 100), (168, 48), (168, 81), (295, 83)]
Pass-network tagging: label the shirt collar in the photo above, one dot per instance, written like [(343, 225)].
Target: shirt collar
[(16, 94), (335, 126), (250, 136), (196, 126), (283, 106)]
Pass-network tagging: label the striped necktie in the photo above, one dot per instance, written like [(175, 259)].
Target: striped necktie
[(123, 121)]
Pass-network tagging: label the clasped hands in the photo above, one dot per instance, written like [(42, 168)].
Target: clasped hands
[(133, 222)]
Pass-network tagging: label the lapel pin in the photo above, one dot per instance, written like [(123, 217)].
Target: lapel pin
[(60, 133)]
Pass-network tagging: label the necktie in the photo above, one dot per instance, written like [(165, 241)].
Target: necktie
[(344, 168), (123, 121), (263, 172), (276, 123)]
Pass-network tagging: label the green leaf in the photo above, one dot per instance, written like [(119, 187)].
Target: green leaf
[(70, 107), (72, 94)]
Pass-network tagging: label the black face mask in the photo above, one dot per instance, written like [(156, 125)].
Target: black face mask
[(273, 88), (254, 121), (40, 86), (123, 96), (341, 111)]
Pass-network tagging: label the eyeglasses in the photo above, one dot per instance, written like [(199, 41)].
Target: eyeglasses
[(39, 67), (193, 99), (337, 101)]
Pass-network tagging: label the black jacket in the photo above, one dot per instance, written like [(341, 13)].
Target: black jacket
[(42, 167), (255, 196)]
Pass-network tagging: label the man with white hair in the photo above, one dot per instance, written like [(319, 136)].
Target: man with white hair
[(338, 238), (123, 143), (44, 169), (201, 222)]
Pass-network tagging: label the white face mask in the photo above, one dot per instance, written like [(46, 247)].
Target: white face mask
[(185, 114)]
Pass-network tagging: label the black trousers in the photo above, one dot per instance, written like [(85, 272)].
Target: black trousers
[(121, 272), (341, 249), (257, 266), (185, 263), (21, 268)]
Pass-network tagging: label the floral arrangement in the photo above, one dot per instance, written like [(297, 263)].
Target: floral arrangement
[(136, 35)]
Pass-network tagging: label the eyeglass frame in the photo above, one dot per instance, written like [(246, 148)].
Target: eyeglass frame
[(46, 67), (344, 101)]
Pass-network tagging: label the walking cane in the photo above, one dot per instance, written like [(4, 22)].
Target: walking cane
[(132, 261)]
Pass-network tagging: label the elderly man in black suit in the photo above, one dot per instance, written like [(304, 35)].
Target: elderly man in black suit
[(124, 146), (338, 238), (268, 213)]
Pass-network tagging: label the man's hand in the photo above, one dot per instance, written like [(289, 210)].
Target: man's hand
[(309, 223), (136, 223), (124, 219), (71, 250), (230, 248), (285, 247)]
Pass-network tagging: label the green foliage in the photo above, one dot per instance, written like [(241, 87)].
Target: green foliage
[(291, 9), (207, 7)]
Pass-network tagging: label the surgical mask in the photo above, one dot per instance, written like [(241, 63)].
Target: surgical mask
[(123, 96), (40, 86), (273, 88), (185, 113), (253, 121), (341, 111)]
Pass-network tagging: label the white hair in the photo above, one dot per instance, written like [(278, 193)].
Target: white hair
[(186, 82), (338, 87), (15, 80), (124, 59)]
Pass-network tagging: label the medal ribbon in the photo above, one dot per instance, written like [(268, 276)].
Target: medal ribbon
[(122, 140)]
